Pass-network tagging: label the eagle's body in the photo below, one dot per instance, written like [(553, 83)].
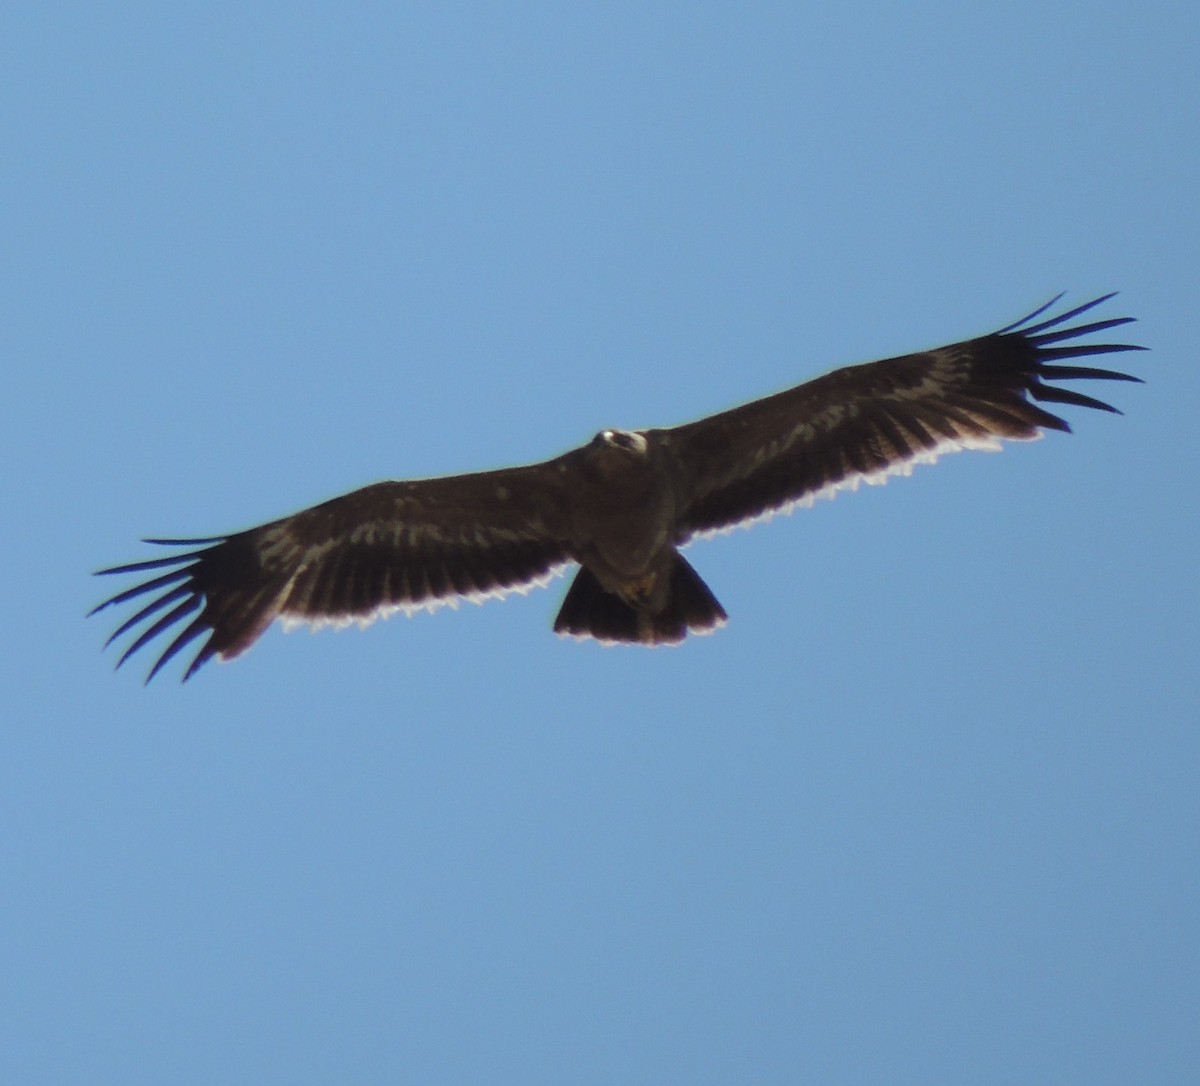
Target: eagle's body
[(619, 507)]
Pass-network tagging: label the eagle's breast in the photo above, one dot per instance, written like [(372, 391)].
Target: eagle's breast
[(623, 510)]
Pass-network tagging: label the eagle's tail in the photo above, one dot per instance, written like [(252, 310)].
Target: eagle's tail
[(590, 611)]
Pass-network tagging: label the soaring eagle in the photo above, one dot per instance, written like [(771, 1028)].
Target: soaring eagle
[(620, 507)]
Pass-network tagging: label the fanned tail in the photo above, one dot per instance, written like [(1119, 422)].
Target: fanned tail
[(589, 610)]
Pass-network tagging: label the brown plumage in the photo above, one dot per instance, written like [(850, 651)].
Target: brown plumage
[(620, 506)]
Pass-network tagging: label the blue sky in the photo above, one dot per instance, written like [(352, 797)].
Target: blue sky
[(925, 811)]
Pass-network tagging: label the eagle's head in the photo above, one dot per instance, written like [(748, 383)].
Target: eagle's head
[(630, 442), (616, 452)]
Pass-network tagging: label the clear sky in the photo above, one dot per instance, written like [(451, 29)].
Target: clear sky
[(924, 812)]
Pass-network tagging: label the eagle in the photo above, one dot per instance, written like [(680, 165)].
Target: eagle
[(620, 507)]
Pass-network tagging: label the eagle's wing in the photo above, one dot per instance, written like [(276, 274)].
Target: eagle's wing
[(868, 422), (387, 547)]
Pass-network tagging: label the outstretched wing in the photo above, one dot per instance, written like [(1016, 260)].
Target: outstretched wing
[(387, 547), (868, 422)]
